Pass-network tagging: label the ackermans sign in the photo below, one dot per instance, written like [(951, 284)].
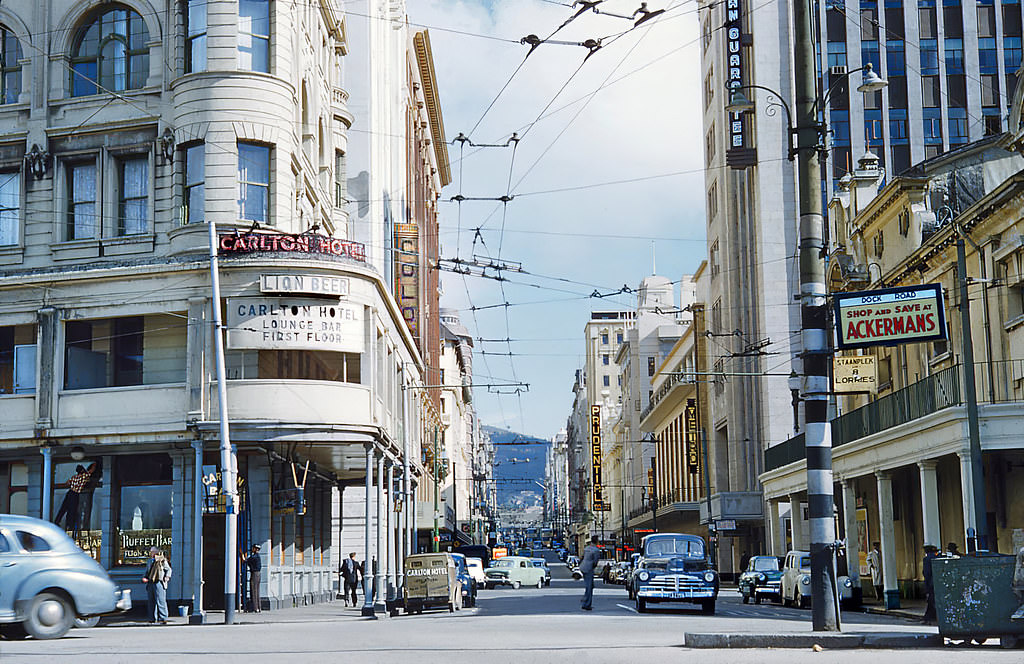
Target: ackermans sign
[(890, 316)]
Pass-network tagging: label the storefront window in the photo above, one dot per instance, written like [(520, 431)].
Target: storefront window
[(75, 483), (17, 491), (144, 506)]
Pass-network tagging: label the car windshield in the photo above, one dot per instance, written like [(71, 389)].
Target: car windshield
[(504, 563), (766, 565), (666, 546)]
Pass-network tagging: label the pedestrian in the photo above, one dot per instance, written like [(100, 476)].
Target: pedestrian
[(952, 551), (68, 511), (874, 561), (350, 571), (744, 561), (158, 574), (591, 554), (931, 552), (254, 564), (606, 572)]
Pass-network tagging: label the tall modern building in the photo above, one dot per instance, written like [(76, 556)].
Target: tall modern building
[(951, 68)]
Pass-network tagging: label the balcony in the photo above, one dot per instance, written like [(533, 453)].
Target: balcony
[(671, 382), (996, 382), (677, 500)]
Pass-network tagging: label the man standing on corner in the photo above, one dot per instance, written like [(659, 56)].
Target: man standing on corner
[(874, 562), (254, 564), (350, 570), (591, 554)]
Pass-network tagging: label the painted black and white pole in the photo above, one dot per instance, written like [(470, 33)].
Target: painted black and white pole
[(814, 327)]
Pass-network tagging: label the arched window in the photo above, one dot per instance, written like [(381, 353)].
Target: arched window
[(10, 69), (110, 51)]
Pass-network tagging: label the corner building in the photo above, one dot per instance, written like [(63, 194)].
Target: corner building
[(126, 130)]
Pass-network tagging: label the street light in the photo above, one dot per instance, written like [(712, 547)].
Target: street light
[(810, 133)]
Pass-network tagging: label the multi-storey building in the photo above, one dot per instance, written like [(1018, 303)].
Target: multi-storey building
[(126, 133)]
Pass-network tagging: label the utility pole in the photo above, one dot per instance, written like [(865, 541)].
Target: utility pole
[(980, 538), (814, 326)]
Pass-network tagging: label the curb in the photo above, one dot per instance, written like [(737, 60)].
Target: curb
[(888, 640)]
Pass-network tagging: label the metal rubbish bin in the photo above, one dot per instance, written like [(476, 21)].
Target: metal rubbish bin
[(974, 598)]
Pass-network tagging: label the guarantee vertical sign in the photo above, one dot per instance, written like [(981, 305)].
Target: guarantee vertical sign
[(690, 422), (595, 458)]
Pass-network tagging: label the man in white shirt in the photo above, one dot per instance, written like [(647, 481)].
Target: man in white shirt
[(874, 562)]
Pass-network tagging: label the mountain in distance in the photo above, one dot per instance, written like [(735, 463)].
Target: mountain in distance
[(519, 462)]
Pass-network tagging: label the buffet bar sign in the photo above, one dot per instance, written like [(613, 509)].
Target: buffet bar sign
[(306, 243), (890, 316), (294, 324)]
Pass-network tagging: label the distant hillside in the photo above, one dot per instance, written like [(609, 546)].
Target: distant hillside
[(519, 460)]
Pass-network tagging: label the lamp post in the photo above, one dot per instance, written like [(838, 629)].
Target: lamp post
[(810, 133)]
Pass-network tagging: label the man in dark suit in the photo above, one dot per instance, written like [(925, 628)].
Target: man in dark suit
[(350, 571)]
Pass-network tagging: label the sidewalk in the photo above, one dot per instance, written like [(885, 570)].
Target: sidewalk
[(909, 608)]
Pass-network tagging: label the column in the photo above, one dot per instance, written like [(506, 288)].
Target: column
[(796, 523), (414, 515), (850, 527), (967, 493), (930, 502), (367, 609), (390, 557), (403, 532), (887, 540), (46, 511), (197, 617), (46, 391), (776, 530), (380, 524)]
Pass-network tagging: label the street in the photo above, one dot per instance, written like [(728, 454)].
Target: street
[(526, 625)]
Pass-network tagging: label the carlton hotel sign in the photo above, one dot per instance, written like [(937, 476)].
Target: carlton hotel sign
[(306, 243)]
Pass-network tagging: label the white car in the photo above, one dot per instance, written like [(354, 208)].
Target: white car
[(476, 570), (796, 582)]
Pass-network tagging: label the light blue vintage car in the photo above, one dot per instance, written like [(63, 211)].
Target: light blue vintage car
[(515, 571), (47, 582)]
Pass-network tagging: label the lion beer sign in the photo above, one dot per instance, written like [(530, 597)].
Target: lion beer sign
[(889, 316)]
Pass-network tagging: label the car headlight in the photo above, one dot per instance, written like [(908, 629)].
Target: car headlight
[(644, 575), (847, 582), (760, 577), (805, 580), (709, 576)]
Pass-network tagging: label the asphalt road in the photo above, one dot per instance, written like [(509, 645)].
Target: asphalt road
[(519, 626)]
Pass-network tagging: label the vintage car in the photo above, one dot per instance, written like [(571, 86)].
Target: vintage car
[(761, 579), (476, 570), (515, 571), (674, 567), (48, 582), (466, 580), (796, 582), (543, 564), (431, 580), (619, 572)]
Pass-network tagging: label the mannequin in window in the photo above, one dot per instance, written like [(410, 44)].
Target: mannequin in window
[(69, 506)]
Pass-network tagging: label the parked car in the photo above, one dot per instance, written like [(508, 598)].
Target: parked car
[(675, 567), (796, 579), (761, 579), (796, 582), (466, 580), (48, 582), (476, 570), (515, 571), (619, 572), (543, 564)]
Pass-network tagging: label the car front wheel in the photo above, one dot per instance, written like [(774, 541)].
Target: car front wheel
[(540, 583), (641, 605), (746, 598), (49, 616), (516, 585), (707, 607)]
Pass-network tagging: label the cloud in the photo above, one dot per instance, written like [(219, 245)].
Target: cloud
[(631, 111)]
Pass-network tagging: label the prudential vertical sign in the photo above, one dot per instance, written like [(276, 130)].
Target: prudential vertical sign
[(595, 459)]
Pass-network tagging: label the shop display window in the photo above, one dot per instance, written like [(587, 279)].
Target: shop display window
[(144, 502)]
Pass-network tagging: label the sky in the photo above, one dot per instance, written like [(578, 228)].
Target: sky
[(605, 179)]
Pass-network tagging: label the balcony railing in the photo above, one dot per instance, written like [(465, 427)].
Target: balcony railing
[(996, 382), (677, 495), (663, 391)]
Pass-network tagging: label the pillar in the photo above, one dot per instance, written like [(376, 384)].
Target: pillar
[(967, 491), (390, 532), (887, 539), (380, 524), (46, 511), (403, 533), (367, 609), (415, 516), (850, 527), (796, 523), (197, 617), (776, 530), (930, 503)]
